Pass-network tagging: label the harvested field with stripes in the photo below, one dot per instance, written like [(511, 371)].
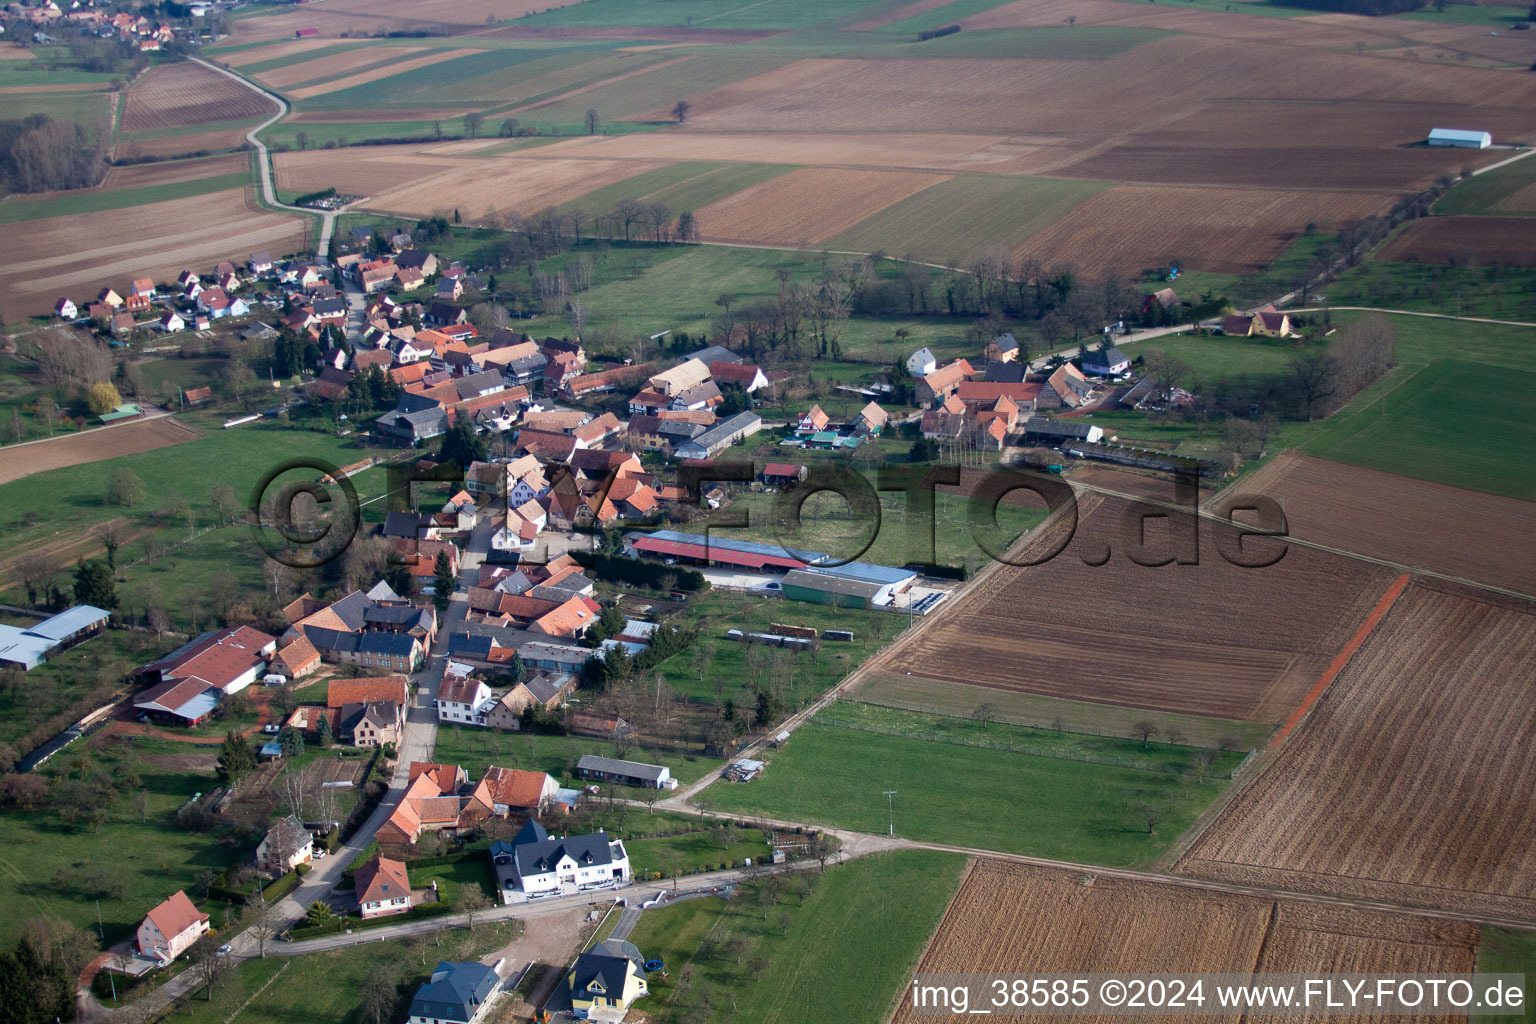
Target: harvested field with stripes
[(333, 65), (1130, 227), (1507, 241), (1412, 781), (807, 206), (176, 95), (1012, 918), (1211, 639), (524, 185), (1466, 534), (93, 446)]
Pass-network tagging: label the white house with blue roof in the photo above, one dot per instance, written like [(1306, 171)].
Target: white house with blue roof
[(458, 992)]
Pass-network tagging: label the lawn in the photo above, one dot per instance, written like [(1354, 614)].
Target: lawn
[(1212, 357), (993, 799), (719, 669), (452, 878), (1482, 193), (842, 953), (478, 749), (325, 988), (1456, 423), (965, 215), (696, 851), (54, 868)]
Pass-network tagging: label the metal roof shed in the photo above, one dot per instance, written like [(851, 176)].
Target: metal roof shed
[(1460, 138)]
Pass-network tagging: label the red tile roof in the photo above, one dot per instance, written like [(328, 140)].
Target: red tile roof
[(175, 915), (367, 691)]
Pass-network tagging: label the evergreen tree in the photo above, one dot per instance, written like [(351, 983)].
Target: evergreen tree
[(442, 582), (516, 669), (461, 445), (292, 741), (236, 759), (398, 576), (94, 585), (323, 731)]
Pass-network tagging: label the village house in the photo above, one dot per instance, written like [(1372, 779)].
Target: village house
[(170, 929), (943, 382), (372, 724), (508, 791), (921, 363), (458, 992), (286, 845), (605, 981), (1066, 387), (1106, 361), (1264, 323), (543, 689), (463, 701), (383, 887), (542, 864)]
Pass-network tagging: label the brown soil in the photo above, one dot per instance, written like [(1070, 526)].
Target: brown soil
[(1412, 781), (93, 446)]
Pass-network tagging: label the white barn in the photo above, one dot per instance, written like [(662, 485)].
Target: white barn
[(1460, 139)]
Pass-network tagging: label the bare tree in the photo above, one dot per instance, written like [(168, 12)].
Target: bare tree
[(380, 995), (226, 503), (680, 110), (984, 713), (1143, 729), (591, 121), (262, 920), (472, 122), (472, 900)]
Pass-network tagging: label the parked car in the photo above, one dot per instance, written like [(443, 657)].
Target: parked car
[(223, 950), (270, 728)]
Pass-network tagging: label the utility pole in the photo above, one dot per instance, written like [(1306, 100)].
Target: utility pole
[(890, 797)]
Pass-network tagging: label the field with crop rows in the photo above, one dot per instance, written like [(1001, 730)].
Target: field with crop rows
[(1020, 919), (807, 206), (1411, 781), (1507, 241), (175, 95), (1211, 639)]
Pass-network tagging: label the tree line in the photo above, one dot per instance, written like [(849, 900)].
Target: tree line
[(39, 154)]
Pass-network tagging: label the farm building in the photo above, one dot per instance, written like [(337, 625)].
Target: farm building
[(31, 646), (852, 585), (1460, 138), (626, 773), (1042, 430), (719, 437), (706, 550)]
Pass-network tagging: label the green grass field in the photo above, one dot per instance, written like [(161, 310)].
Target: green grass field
[(477, 749), (619, 102), (141, 860), (696, 851), (1506, 951), (101, 201), (993, 799), (1053, 42), (719, 669), (1492, 15), (1483, 193), (1456, 423), (87, 109), (1211, 358), (1498, 293), (436, 84), (68, 501), (943, 698), (843, 954), (965, 215)]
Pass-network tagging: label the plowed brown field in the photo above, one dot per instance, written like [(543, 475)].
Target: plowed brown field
[(908, 150), (519, 184), (1131, 227), (335, 64), (1017, 919), (358, 171), (1208, 639), (174, 95), (367, 17), (140, 175), (77, 254), (805, 206), (1466, 534), (1507, 241), (1412, 782), (93, 446)]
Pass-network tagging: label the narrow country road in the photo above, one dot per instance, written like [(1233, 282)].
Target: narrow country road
[(264, 158)]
